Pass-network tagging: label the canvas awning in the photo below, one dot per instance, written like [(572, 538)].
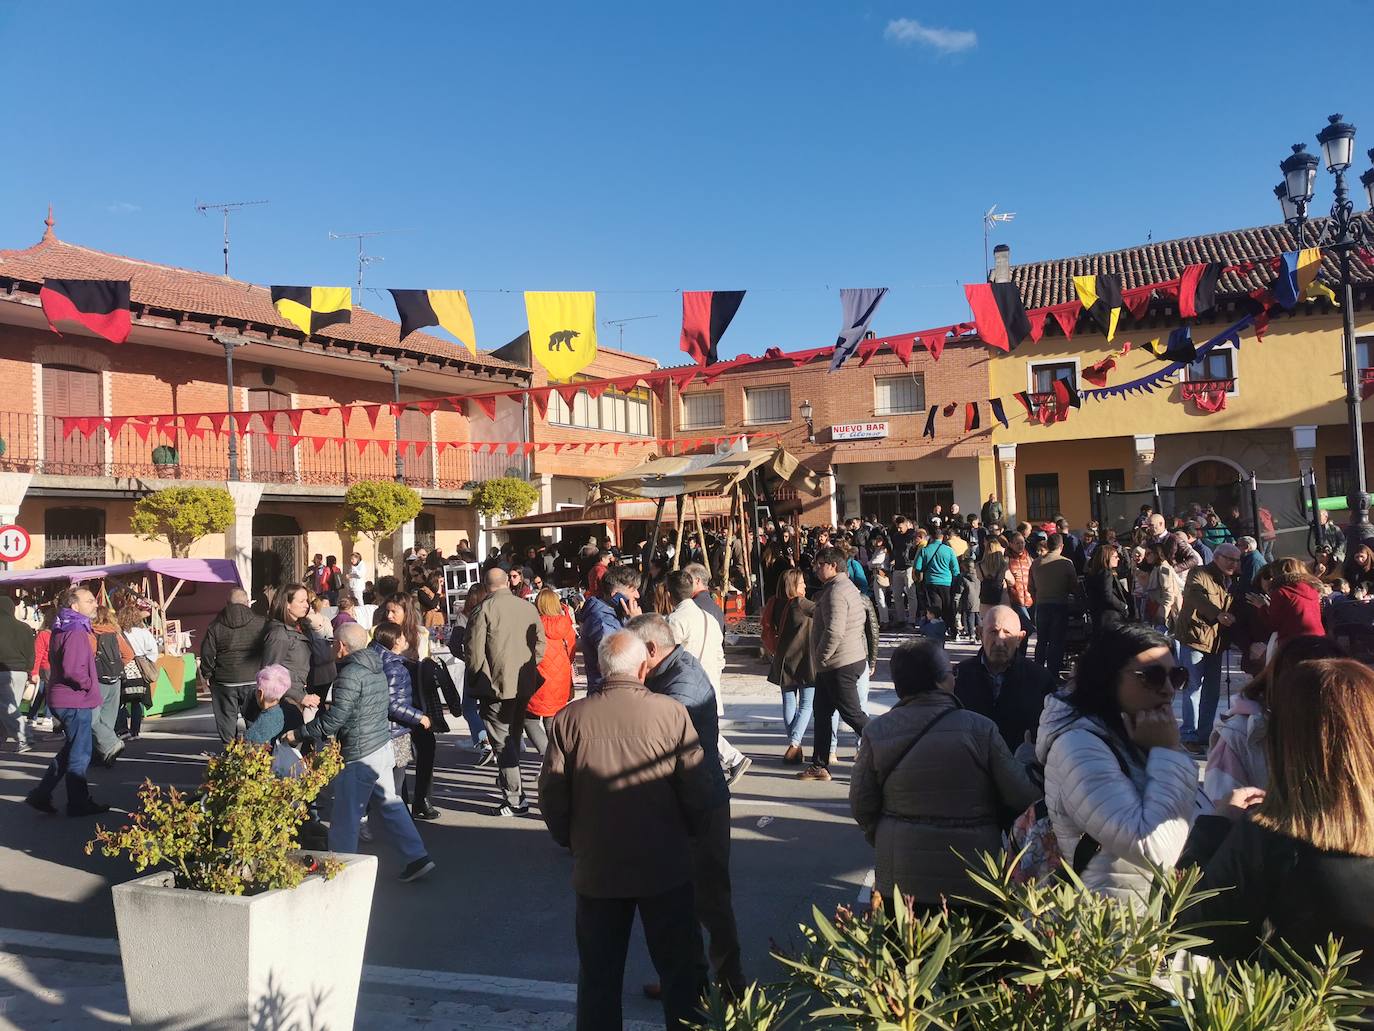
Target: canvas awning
[(671, 476)]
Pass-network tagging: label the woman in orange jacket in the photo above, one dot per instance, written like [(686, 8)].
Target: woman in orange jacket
[(555, 668)]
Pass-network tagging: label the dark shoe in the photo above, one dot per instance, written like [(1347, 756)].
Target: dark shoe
[(88, 809), (424, 811), (108, 761), (653, 990), (520, 809), (417, 869), (738, 770), (793, 755), (814, 772), (43, 805), (486, 757)]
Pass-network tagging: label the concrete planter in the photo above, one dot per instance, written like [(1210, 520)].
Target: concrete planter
[(194, 959)]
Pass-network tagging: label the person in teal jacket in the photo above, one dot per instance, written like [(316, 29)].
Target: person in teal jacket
[(938, 567)]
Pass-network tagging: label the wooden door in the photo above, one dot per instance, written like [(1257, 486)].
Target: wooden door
[(71, 391), (271, 464)]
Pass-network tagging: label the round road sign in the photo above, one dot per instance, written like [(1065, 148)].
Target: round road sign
[(14, 543)]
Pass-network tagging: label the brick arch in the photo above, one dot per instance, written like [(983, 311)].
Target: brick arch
[(70, 354)]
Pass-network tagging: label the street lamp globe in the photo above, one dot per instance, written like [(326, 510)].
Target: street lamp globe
[(1290, 210), (806, 411), (1367, 181), (1338, 143), (1299, 174)]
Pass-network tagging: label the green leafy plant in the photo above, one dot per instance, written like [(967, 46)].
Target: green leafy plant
[(182, 515), (378, 508), (1037, 957), (507, 496), (238, 835), (165, 454)]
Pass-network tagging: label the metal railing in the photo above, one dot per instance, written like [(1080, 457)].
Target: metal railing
[(39, 444)]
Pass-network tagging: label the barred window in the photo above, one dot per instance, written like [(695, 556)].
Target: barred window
[(899, 395), (767, 404), (703, 410)]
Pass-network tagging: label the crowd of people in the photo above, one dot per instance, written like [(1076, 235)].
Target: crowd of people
[(1078, 735)]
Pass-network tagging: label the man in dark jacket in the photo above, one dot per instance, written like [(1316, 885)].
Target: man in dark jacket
[(16, 662), (357, 717), (676, 673), (624, 785), (992, 511), (604, 614), (1002, 684), (230, 657)]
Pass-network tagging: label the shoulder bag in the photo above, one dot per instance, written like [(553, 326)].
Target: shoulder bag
[(914, 742)]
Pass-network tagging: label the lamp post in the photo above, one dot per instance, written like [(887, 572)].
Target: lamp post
[(229, 341), (1340, 234), (806, 413)]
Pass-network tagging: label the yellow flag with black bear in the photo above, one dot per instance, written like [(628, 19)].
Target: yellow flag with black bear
[(562, 330)]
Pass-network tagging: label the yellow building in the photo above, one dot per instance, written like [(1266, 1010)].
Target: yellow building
[(1284, 395)]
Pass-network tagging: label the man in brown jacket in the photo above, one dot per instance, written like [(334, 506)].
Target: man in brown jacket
[(839, 656), (624, 785), (504, 647), (1200, 629)]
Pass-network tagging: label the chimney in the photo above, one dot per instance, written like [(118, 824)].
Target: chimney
[(1001, 264)]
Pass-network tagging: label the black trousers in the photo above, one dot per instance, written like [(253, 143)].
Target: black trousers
[(422, 744), (940, 600), (228, 701), (714, 905), (603, 939), (836, 690)]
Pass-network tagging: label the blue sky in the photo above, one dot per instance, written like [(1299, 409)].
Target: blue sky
[(787, 149)]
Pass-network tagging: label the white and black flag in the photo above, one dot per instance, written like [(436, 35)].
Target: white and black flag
[(859, 307)]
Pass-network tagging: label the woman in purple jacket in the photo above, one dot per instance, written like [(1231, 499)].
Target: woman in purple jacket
[(73, 697)]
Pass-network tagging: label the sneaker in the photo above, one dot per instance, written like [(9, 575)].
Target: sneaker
[(738, 770), (814, 772), (43, 723), (486, 757), (417, 869), (91, 808), (364, 831), (43, 805), (519, 809), (25, 748)]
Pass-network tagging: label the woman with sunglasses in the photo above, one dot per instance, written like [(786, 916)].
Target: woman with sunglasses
[(1120, 792)]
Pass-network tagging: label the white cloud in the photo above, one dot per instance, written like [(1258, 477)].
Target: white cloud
[(122, 207), (910, 32)]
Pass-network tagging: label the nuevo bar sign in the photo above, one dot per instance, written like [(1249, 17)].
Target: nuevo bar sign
[(859, 431)]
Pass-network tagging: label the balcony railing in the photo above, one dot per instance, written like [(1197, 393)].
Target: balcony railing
[(38, 444)]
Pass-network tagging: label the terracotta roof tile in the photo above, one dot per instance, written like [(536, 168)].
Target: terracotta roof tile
[(1044, 283), (168, 288)]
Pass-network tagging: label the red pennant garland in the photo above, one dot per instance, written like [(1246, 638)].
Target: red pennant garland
[(934, 343), (1067, 317), (1037, 323)]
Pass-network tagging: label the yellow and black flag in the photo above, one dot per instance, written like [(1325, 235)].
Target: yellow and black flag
[(562, 331), (1101, 298), (311, 308), (448, 308)]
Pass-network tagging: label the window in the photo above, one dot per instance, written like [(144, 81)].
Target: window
[(1364, 352), (1217, 364), (616, 410), (1337, 476), (1042, 376), (767, 404), (700, 411), (899, 395), (1042, 496)]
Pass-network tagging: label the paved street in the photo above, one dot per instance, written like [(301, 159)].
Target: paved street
[(487, 941)]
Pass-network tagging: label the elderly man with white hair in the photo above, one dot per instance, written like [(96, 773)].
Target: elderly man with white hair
[(625, 784)]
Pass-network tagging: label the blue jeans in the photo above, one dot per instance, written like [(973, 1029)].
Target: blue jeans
[(472, 716), (1027, 624), (796, 711), (1204, 677), (371, 779), (1051, 629), (71, 761)]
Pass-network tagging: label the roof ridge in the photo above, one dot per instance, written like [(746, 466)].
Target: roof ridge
[(44, 245), (1177, 240)]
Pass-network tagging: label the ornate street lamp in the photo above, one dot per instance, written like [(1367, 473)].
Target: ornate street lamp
[(1340, 234), (806, 412)]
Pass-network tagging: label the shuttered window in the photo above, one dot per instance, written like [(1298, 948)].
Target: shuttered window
[(703, 410), (69, 391), (767, 404)]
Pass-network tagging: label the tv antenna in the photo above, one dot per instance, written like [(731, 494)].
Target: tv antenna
[(990, 219), (226, 208), (620, 324), (365, 259)]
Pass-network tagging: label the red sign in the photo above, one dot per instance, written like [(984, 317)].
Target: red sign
[(14, 543)]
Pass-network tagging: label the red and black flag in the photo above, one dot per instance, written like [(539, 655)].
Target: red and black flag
[(998, 412), (1100, 296), (1197, 290), (706, 314), (971, 421), (998, 313), (101, 305), (1066, 397)]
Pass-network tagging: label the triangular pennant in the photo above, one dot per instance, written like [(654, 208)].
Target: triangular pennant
[(1037, 323), (527, 447), (294, 439), (486, 402), (217, 421), (420, 446), (1137, 300), (427, 407), (867, 349), (539, 397), (595, 388), (319, 443), (271, 440), (618, 445), (372, 411), (143, 429), (934, 343), (384, 446), (1067, 317), (192, 433), (512, 447), (361, 445), (902, 346), (294, 417), (242, 421), (115, 423)]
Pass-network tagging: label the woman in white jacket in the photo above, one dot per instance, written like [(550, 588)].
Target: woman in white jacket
[(1120, 792)]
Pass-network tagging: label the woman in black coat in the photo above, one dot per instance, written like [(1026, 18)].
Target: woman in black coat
[(291, 642), (1108, 602), (1299, 855), (792, 661)]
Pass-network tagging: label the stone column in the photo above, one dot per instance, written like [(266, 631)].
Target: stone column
[(1304, 446), (1006, 458), (828, 486), (545, 491), (401, 541), (238, 539), (1144, 470), (13, 487)]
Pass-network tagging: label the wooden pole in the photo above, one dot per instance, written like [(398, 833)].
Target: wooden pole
[(701, 537), (649, 554), (681, 525), (729, 540), (746, 537)]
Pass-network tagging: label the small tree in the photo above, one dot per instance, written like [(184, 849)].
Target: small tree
[(182, 515), (506, 496), (377, 509)]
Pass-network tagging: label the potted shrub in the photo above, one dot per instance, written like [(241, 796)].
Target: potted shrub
[(165, 457), (241, 927)]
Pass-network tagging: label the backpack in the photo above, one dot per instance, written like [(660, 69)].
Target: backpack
[(1036, 848), (336, 579)]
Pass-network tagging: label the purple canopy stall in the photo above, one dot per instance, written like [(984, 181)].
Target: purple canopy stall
[(190, 591)]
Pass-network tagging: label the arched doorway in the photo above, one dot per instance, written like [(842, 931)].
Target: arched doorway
[(276, 551), (1208, 483)]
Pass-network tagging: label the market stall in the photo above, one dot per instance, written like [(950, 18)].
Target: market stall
[(185, 594)]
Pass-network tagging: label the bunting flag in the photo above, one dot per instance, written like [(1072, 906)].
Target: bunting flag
[(1297, 272), (1177, 348), (859, 307), (706, 314), (1024, 398), (971, 421), (929, 431), (1101, 298), (999, 314), (562, 330), (1096, 374), (998, 412), (311, 308), (1066, 395), (447, 308), (101, 305), (1197, 289)]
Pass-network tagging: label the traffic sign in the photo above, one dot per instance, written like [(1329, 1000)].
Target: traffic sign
[(14, 543)]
